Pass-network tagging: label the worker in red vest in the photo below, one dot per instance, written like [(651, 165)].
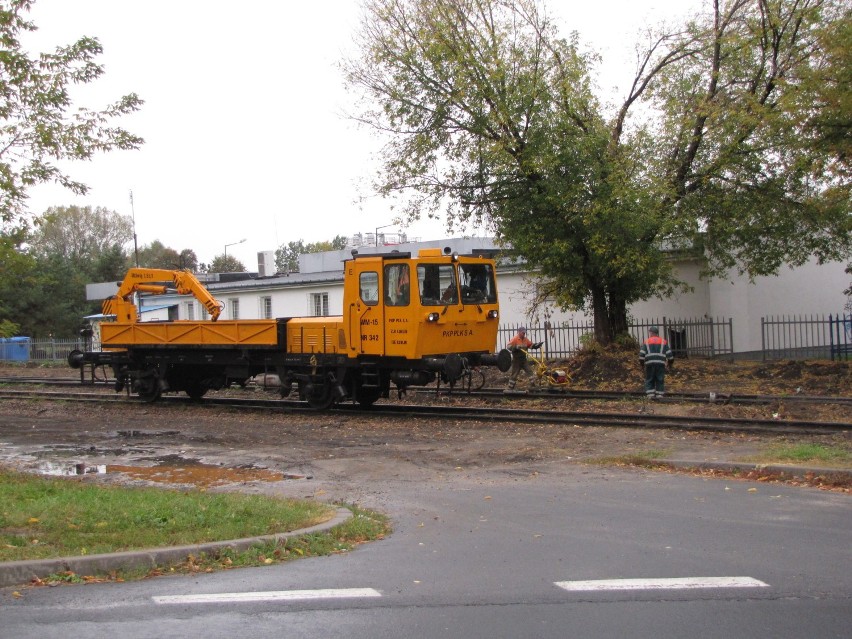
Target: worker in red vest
[(519, 345), (655, 356)]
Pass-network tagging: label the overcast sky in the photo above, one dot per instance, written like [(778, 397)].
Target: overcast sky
[(244, 121)]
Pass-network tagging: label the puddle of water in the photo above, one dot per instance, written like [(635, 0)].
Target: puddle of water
[(70, 470), (195, 474), (200, 475)]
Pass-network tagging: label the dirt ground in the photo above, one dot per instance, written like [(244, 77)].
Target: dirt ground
[(333, 455)]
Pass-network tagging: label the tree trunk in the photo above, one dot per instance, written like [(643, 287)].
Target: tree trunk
[(603, 331), (617, 315)]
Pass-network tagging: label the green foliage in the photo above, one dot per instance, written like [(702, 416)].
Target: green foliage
[(743, 153), (69, 518), (86, 238), (825, 100), (9, 329), (39, 128), (626, 341), (44, 518), (801, 453), (287, 255), (45, 271), (226, 264), (41, 296), (491, 117), (587, 341), (157, 255)]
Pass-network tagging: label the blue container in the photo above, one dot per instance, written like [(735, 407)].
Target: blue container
[(15, 349)]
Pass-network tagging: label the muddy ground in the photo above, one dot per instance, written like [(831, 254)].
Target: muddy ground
[(335, 456)]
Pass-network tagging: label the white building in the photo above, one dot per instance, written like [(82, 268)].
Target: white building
[(317, 289)]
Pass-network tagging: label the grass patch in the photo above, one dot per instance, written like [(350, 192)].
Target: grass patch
[(48, 517), (804, 453), (363, 526)]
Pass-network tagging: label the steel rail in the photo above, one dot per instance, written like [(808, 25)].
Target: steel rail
[(492, 414), (711, 397), (554, 394)]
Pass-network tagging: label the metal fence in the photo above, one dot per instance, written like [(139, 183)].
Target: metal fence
[(24, 349), (701, 337), (840, 336), (806, 337), (812, 337)]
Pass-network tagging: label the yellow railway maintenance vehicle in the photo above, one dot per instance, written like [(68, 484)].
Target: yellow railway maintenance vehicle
[(407, 320)]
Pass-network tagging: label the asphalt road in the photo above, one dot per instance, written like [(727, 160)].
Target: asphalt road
[(497, 553)]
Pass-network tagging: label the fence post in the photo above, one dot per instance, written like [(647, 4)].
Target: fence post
[(731, 334), (547, 336), (831, 336)]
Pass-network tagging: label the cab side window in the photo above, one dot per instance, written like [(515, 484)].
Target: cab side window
[(477, 283), (397, 285), (369, 286), (437, 284)]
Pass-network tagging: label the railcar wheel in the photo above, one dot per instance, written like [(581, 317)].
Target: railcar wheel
[(318, 396), (148, 388), (195, 390), (367, 398)]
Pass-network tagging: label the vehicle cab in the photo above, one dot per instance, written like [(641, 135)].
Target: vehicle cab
[(397, 305)]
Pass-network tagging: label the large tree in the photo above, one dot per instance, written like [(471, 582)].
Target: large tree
[(158, 255), (492, 116), (43, 272), (225, 264), (82, 235), (37, 125), (41, 296)]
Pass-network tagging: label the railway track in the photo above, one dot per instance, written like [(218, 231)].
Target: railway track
[(641, 418), (710, 397)]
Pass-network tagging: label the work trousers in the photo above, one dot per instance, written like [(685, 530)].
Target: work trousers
[(519, 363), (655, 380)]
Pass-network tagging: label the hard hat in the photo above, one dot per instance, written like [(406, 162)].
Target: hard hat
[(654, 329)]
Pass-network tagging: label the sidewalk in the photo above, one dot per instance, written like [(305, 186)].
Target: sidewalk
[(788, 471), (14, 573)]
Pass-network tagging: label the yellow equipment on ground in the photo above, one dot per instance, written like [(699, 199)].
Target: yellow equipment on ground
[(406, 320)]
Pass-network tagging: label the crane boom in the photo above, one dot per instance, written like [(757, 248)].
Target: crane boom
[(146, 280)]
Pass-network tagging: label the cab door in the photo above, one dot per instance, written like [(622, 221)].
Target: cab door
[(399, 299), (365, 320)]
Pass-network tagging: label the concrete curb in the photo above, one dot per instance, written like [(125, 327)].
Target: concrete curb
[(21, 572), (793, 471)]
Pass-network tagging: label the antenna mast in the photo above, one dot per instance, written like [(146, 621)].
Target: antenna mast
[(133, 214)]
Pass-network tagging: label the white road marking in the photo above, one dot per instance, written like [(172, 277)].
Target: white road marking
[(272, 595), (662, 583)]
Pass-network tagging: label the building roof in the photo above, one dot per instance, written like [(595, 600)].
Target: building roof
[(327, 266)]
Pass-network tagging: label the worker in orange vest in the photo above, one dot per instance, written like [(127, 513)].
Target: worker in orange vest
[(519, 345), (655, 356)]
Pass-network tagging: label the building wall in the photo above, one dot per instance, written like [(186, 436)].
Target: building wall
[(516, 289), (810, 289), (286, 302)]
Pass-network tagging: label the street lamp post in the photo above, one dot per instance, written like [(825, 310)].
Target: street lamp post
[(233, 244)]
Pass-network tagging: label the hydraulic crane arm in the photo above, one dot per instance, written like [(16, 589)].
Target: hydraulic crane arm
[(146, 280)]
